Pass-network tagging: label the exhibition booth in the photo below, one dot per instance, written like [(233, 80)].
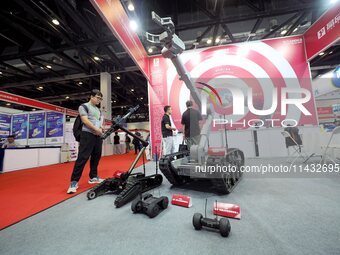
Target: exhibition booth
[(250, 86), (44, 137), (265, 124)]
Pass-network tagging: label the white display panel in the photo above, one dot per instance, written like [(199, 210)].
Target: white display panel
[(27, 159), (243, 140), (49, 156), (30, 158)]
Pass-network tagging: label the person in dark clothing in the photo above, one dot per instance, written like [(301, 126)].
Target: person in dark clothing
[(116, 138), (168, 139), (127, 143), (90, 144), (190, 121), (136, 143)]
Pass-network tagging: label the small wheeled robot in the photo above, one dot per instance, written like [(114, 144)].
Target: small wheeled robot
[(149, 205), (223, 225)]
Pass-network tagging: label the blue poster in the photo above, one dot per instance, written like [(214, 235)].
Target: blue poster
[(336, 108), (5, 125), (19, 126), (37, 125), (54, 124)]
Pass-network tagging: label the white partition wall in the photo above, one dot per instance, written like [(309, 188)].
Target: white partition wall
[(30, 158), (243, 140), (271, 142), (49, 156)]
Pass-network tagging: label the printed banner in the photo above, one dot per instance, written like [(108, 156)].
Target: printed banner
[(30, 102), (36, 128), (5, 125), (336, 108), (20, 128), (54, 127), (324, 110), (243, 83), (324, 32)]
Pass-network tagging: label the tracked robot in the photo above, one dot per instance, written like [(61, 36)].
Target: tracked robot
[(180, 167)]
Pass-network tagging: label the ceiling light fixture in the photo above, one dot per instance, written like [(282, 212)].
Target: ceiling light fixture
[(0, 72), (132, 90), (115, 101), (80, 83), (118, 77), (321, 53), (209, 41), (133, 25), (150, 50), (96, 58), (8, 104), (41, 87), (283, 32), (67, 97), (55, 22), (295, 29), (49, 67), (34, 109), (131, 7), (217, 40)]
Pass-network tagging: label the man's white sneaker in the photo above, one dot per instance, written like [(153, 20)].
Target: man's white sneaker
[(73, 187), (95, 180)]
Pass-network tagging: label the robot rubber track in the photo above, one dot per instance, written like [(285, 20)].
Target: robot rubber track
[(137, 186), (128, 189), (223, 183)]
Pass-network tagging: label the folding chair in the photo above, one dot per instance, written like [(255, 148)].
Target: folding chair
[(298, 152), (329, 146)]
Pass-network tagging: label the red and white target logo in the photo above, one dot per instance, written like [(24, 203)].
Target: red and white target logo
[(255, 68), (254, 81)]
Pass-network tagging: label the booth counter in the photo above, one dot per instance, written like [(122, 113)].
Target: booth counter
[(23, 158)]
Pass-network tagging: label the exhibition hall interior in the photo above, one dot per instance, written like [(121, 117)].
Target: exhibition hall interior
[(162, 127)]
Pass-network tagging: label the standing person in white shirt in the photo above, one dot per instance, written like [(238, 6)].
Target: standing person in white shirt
[(167, 132)]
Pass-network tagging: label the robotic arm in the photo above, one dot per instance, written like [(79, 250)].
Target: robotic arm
[(118, 122), (173, 46)]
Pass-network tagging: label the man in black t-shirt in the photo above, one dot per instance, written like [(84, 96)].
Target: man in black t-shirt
[(190, 121), (116, 138), (168, 139)]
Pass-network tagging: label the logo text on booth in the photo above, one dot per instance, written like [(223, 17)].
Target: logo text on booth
[(289, 96)]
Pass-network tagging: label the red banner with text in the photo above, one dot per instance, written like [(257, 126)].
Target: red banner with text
[(324, 32), (5, 96)]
